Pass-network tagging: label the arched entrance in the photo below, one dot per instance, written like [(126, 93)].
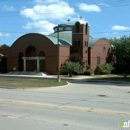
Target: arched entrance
[(3, 63), (32, 61)]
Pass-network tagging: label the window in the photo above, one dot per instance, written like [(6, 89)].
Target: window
[(86, 28), (98, 60), (86, 51), (104, 48), (78, 43), (86, 43), (64, 28), (77, 27), (75, 43)]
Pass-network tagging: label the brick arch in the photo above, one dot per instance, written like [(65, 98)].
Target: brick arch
[(32, 39), (41, 54)]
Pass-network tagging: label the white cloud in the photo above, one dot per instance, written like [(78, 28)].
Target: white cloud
[(103, 4), (4, 34), (89, 8), (120, 28), (52, 11), (42, 26), (46, 1), (8, 8), (109, 33)]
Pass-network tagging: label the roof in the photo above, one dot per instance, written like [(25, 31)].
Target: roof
[(92, 41), (61, 41), (65, 38)]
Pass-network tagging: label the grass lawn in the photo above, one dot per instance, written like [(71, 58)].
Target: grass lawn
[(111, 78), (28, 83)]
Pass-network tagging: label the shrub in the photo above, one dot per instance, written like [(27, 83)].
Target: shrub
[(99, 69), (104, 69), (107, 68), (70, 67), (89, 71)]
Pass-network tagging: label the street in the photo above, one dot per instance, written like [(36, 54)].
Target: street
[(76, 106)]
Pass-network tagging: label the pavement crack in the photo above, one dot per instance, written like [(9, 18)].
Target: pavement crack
[(26, 116), (63, 104)]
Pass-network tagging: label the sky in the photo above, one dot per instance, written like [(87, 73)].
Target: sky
[(107, 18)]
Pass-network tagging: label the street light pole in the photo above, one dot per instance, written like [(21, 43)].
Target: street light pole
[(58, 75)]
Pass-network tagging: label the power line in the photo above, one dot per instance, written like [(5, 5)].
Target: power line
[(113, 4), (73, 33)]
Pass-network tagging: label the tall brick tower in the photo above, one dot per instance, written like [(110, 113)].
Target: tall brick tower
[(80, 40)]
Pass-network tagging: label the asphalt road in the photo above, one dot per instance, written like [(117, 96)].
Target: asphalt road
[(76, 106)]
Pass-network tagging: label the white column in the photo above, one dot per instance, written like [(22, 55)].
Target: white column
[(38, 64), (24, 63)]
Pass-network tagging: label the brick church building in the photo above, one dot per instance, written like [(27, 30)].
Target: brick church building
[(46, 53)]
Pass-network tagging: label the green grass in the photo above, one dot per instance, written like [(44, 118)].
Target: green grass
[(112, 78), (28, 83)]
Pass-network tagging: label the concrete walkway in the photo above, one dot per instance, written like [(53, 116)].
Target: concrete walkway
[(74, 79)]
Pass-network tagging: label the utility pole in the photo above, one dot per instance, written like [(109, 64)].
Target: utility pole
[(58, 68)]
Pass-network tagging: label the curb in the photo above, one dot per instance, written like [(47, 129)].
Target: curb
[(106, 81)]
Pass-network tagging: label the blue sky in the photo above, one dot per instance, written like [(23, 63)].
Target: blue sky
[(107, 18)]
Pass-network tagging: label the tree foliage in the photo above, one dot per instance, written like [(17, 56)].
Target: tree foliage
[(75, 57), (121, 48), (104, 69), (89, 71), (70, 67)]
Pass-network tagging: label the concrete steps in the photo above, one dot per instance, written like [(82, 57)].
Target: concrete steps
[(28, 73)]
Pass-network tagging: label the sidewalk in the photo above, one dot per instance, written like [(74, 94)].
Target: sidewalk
[(82, 78)]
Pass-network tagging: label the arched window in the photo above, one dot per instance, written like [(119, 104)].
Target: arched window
[(78, 43), (86, 28), (98, 60), (41, 54), (75, 43), (31, 51), (20, 56), (86, 43), (77, 24)]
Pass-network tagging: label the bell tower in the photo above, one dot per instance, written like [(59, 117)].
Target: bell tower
[(80, 40)]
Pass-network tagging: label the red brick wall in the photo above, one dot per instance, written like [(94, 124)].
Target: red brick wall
[(97, 50), (64, 54), (41, 43)]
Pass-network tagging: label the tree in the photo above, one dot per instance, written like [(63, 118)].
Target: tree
[(121, 48), (75, 57), (70, 67)]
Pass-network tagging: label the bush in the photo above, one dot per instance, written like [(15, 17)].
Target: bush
[(99, 69), (71, 67), (107, 68), (104, 69), (89, 71)]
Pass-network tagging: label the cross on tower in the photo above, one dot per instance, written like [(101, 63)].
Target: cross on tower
[(68, 20), (80, 17)]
